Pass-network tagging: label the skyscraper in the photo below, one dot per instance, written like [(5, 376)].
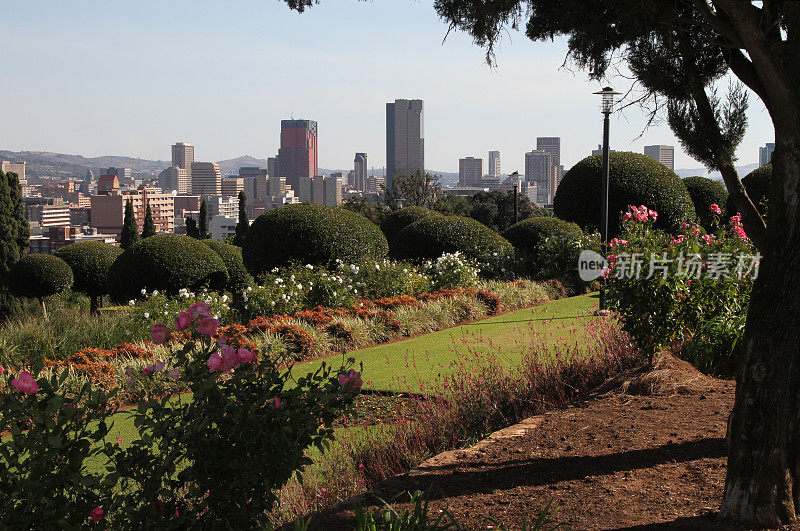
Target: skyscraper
[(405, 138), (540, 170), (663, 154), (182, 155), (765, 153), (297, 156), (206, 178), (552, 144), (470, 171), (360, 170), (494, 164)]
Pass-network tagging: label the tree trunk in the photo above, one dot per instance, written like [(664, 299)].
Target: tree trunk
[(762, 487), (44, 308), (95, 302)]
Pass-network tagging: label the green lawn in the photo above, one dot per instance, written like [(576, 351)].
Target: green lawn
[(403, 365)]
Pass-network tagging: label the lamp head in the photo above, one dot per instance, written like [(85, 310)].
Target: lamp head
[(607, 103)]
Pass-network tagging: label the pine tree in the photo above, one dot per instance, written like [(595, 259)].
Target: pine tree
[(202, 228), (149, 228), (191, 228), (244, 222), (14, 233), (130, 230)]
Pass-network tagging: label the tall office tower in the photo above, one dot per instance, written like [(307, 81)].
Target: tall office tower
[(765, 153), (125, 175), (255, 182), (360, 170), (174, 178), (87, 186), (273, 168), (298, 153), (332, 189), (494, 164), (552, 144), (232, 185), (19, 169), (206, 178), (182, 155), (663, 154), (540, 170), (405, 139), (470, 171)]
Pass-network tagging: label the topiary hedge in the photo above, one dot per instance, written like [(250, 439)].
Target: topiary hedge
[(165, 262), (238, 276), (704, 193), (432, 236), (310, 234), (400, 219), (528, 234), (634, 180), (90, 263), (39, 276), (757, 185)]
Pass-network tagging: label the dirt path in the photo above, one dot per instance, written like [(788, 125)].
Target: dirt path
[(615, 462)]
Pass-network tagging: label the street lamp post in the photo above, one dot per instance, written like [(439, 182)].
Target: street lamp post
[(606, 107), (515, 175)]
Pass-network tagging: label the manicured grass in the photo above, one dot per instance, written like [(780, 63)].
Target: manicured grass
[(405, 365)]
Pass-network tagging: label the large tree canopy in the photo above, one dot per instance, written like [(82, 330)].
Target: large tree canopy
[(676, 49)]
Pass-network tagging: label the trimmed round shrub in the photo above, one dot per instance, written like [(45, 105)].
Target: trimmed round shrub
[(528, 234), (39, 276), (704, 193), (400, 219), (432, 236), (238, 276), (165, 262), (757, 185), (90, 263), (634, 180), (310, 234)]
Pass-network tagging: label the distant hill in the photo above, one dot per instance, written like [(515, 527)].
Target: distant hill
[(690, 172), (47, 165)]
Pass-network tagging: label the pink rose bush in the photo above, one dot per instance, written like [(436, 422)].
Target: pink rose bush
[(351, 380), (25, 383)]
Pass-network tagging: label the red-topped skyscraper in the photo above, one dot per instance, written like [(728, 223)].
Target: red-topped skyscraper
[(297, 156)]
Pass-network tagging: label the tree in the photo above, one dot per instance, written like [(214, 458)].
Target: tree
[(90, 262), (415, 189), (149, 228), (494, 209), (130, 230), (202, 227), (244, 223), (676, 50), (39, 276), (373, 210), (191, 228), (13, 237)]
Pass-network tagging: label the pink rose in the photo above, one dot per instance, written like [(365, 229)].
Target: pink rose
[(736, 220), (350, 380), (214, 362), (199, 311), (277, 403), (148, 371), (709, 238), (2, 370), (653, 214), (159, 333), (25, 383), (715, 208), (229, 359), (208, 326), (97, 514), (245, 356), (740, 232), (679, 239), (174, 373), (183, 321), (160, 366), (626, 216)]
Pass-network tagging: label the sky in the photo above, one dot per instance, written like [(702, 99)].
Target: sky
[(99, 77)]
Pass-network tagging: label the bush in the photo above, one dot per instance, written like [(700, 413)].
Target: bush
[(634, 180), (433, 236), (451, 271), (400, 219), (39, 276), (528, 235), (704, 193), (310, 234), (238, 276), (167, 263), (90, 263), (375, 279), (757, 185)]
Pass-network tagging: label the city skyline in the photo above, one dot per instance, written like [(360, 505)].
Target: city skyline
[(470, 107)]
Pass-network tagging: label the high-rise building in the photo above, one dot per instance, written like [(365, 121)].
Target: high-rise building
[(405, 139), (765, 153), (273, 167), (206, 178), (332, 189), (125, 175), (108, 210), (19, 169), (540, 170), (360, 172), (88, 184), (222, 205), (175, 178), (663, 154), (470, 171), (231, 186), (297, 156), (107, 184), (182, 155), (494, 165), (255, 182), (552, 144)]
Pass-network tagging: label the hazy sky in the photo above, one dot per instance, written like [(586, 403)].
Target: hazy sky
[(100, 77)]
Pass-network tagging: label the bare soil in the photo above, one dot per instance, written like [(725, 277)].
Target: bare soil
[(615, 461)]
